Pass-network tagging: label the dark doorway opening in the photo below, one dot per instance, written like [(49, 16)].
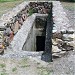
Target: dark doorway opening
[(40, 43)]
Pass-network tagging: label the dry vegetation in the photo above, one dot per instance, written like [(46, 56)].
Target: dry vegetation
[(22, 66), (5, 6)]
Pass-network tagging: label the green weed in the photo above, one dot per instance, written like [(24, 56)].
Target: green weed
[(3, 73), (2, 65), (44, 71), (14, 69)]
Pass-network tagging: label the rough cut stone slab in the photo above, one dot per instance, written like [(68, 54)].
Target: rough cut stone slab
[(22, 34)]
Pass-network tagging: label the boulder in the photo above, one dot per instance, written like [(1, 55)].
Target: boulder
[(55, 55), (55, 49), (59, 41), (67, 47), (1, 51), (70, 31), (57, 35), (58, 55), (72, 36), (54, 42), (72, 43), (67, 37)]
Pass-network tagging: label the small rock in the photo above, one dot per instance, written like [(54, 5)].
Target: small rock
[(72, 36), (58, 55), (55, 55), (62, 52), (67, 47), (54, 42), (55, 49), (59, 41), (1, 51), (57, 35), (72, 43), (67, 37), (71, 31)]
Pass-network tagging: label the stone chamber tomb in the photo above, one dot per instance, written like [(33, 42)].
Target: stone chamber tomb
[(37, 28)]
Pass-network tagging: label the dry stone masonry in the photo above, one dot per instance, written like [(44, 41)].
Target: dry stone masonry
[(12, 21)]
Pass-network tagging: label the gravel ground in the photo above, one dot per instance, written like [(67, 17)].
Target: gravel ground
[(66, 64), (70, 10)]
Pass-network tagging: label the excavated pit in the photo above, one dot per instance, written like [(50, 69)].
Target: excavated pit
[(39, 38), (36, 39)]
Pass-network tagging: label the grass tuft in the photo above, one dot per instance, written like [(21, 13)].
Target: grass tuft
[(14, 69), (8, 0), (2, 65), (44, 71), (3, 73)]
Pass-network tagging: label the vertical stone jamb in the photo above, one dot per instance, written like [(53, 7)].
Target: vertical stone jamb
[(47, 55)]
